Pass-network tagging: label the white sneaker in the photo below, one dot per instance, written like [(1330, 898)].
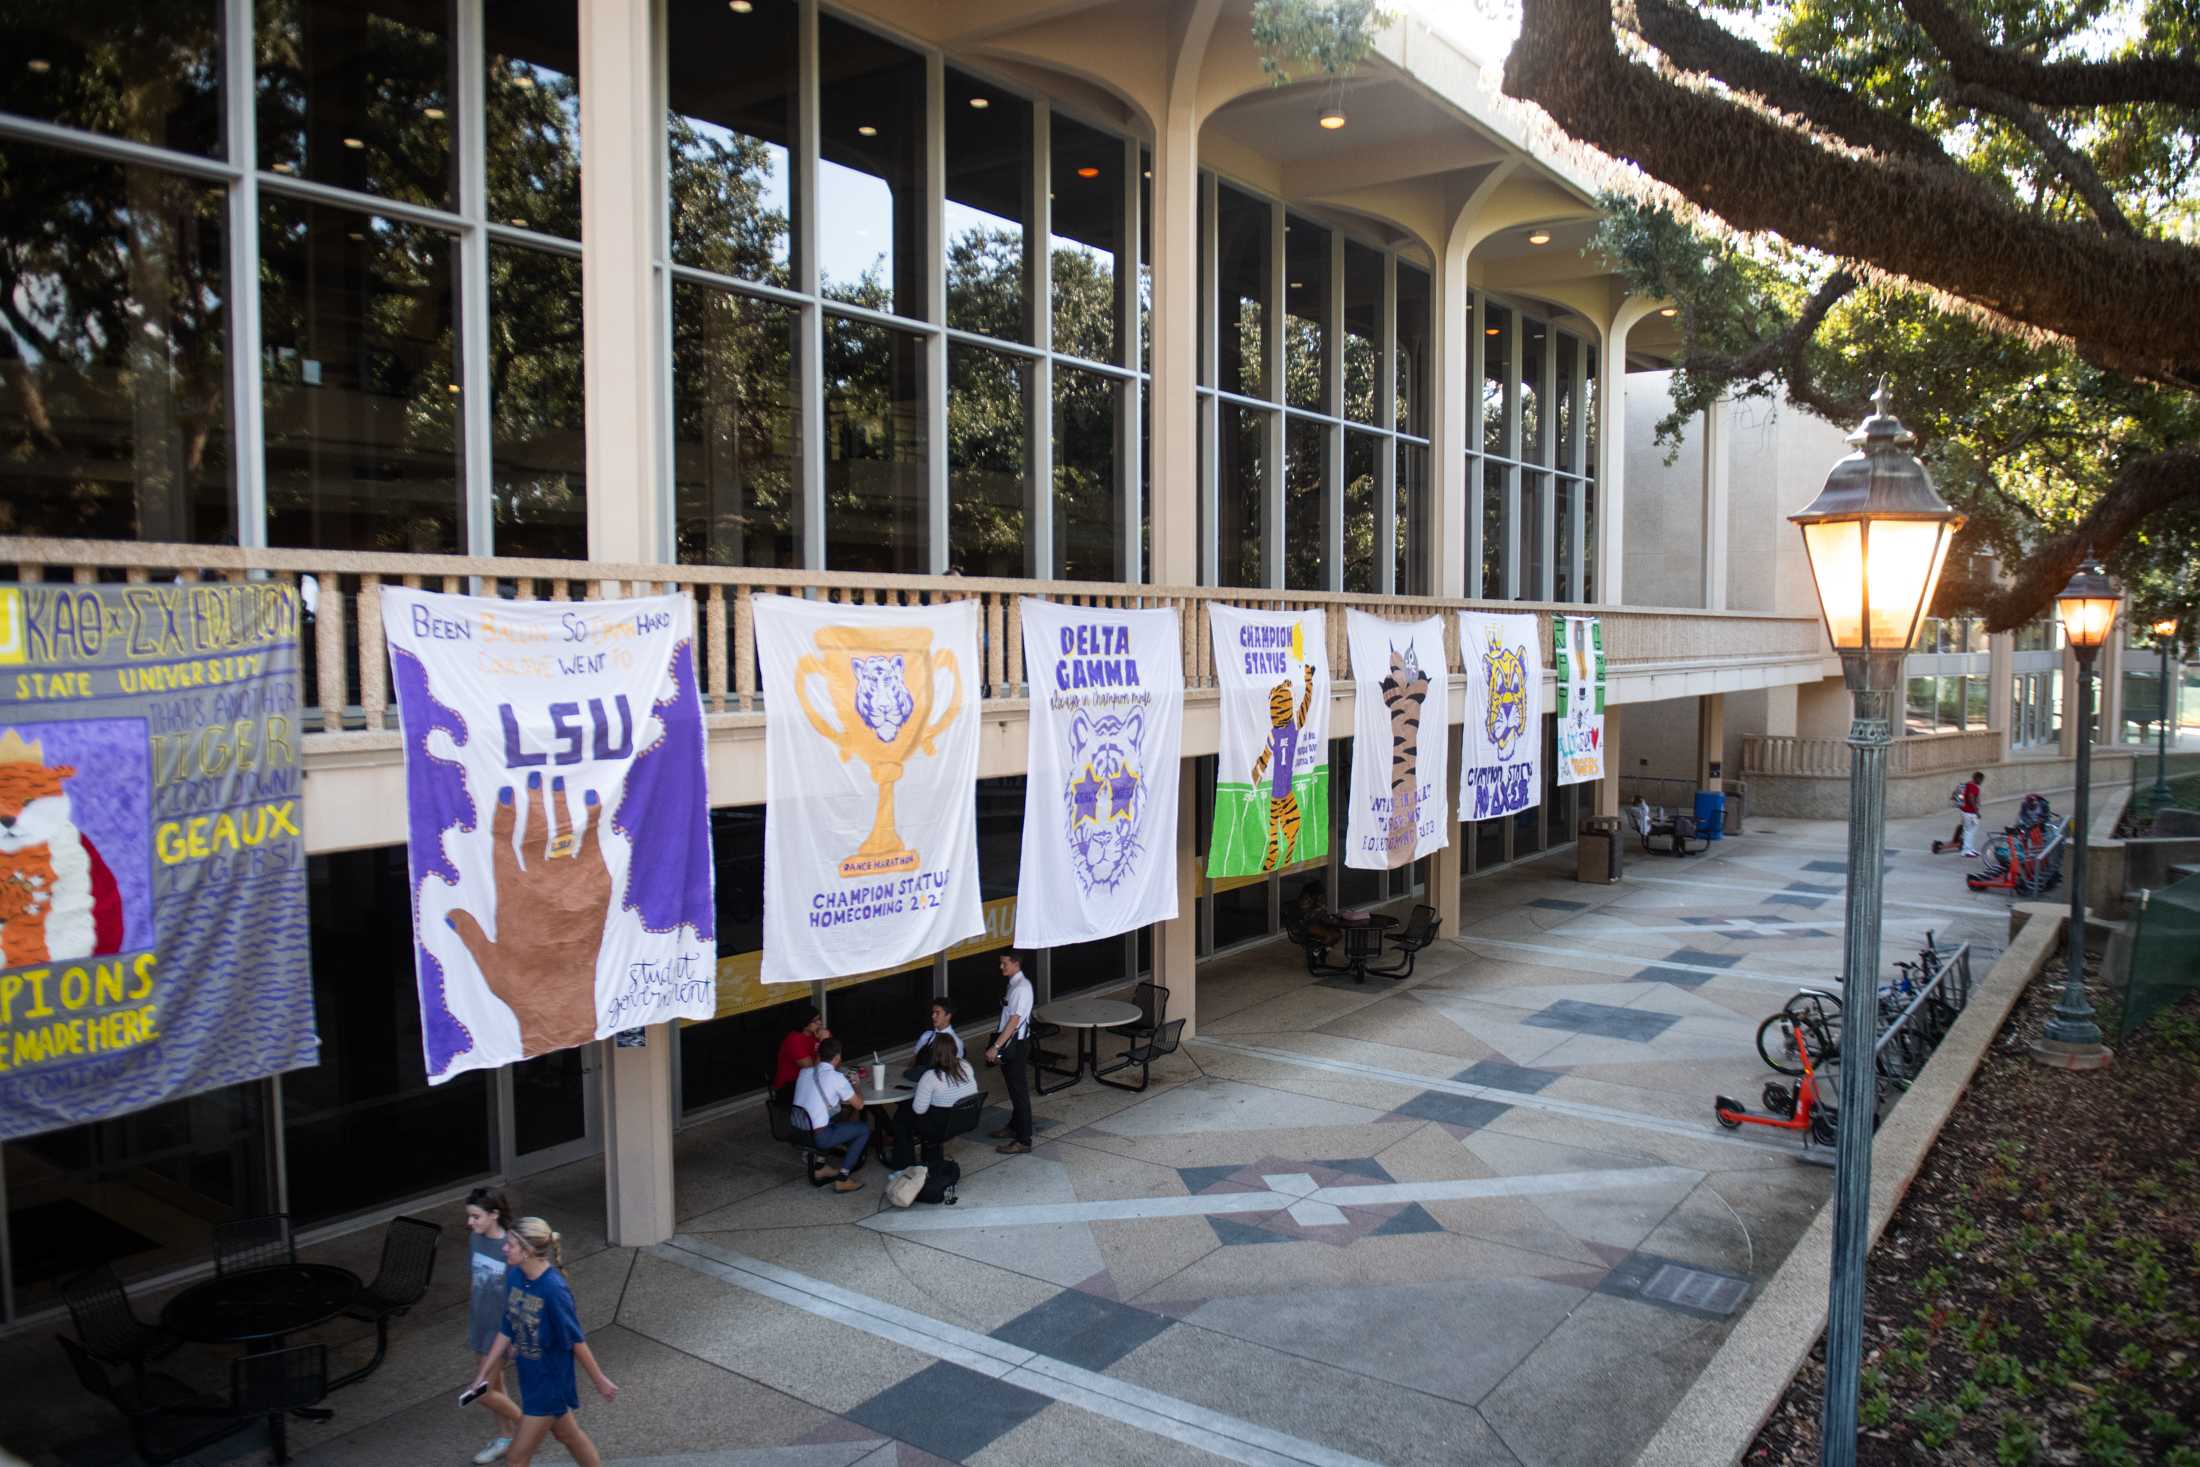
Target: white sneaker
[(494, 1450)]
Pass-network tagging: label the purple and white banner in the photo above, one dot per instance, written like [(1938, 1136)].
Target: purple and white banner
[(1501, 764), (871, 781), (1107, 715), (560, 820), (1400, 741)]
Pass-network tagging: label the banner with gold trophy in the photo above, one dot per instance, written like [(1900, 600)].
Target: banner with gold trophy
[(870, 784)]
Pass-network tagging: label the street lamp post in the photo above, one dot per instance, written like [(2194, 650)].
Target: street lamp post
[(2165, 638), (1877, 536), (2071, 1040)]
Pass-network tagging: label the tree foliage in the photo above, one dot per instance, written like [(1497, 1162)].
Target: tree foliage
[(1991, 202), (1325, 37)]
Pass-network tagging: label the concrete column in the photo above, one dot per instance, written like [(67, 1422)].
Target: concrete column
[(1176, 942), (1612, 469), (1717, 467), (1447, 866), (1454, 536), (2066, 740), (1710, 739), (630, 519), (1176, 308), (2000, 691), (1782, 710), (2109, 694), (1607, 788)]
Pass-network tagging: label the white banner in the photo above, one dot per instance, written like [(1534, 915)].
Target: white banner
[(1577, 646), (1501, 771), (559, 820), (870, 784), (1272, 781), (1107, 717), (1399, 742)]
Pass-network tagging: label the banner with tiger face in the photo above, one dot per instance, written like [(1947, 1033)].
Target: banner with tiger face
[(1501, 772), (1400, 740), (1107, 718), (1272, 780)]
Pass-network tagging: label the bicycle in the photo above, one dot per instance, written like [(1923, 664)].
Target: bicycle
[(1817, 1025)]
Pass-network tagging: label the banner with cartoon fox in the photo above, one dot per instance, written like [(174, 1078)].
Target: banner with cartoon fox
[(558, 818), (1400, 740), (1272, 781), (1501, 772), (1107, 715), (152, 867)]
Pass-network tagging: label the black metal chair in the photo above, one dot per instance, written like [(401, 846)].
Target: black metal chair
[(1153, 1013), (105, 1323), (1418, 933), (1299, 927), (168, 1419), (962, 1119), (254, 1242), (408, 1266), (1145, 1051), (790, 1126), (1363, 944), (277, 1383)]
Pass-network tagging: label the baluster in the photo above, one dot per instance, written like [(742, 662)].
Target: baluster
[(744, 647), (1015, 652), (715, 618), (85, 575), (454, 586), (994, 646), (137, 575), (561, 589), (524, 588), (373, 669), (328, 652)]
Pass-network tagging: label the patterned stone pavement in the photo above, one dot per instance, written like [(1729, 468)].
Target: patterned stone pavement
[(1480, 1216)]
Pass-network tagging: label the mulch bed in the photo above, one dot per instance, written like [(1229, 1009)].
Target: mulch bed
[(2037, 1296)]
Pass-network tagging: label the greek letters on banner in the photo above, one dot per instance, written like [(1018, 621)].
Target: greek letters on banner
[(559, 820), (1577, 645), (1502, 771), (1272, 781), (152, 872), (871, 780), (1399, 742), (1107, 715)]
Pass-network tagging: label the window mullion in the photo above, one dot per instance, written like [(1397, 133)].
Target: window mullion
[(473, 287), (1039, 412), (1386, 414), (1129, 444), (246, 415), (1333, 370), (812, 369), (935, 289)]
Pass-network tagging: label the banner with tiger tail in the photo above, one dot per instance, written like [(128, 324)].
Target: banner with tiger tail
[(1107, 717), (1400, 740), (1272, 777), (1577, 646), (1501, 771)]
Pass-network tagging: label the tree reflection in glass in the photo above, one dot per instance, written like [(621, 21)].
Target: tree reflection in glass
[(532, 134), (1088, 504), (988, 462), (1305, 505), (1360, 493), (358, 95), (538, 449), (875, 493), (736, 452), (146, 70), (731, 86)]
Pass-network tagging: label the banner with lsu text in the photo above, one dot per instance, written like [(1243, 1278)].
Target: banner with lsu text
[(153, 931), (559, 820), (1400, 740), (1577, 646), (1107, 716), (1272, 779), (1501, 771), (870, 784)]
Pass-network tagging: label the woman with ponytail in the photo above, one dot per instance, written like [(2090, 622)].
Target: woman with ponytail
[(542, 1333), (488, 1214)]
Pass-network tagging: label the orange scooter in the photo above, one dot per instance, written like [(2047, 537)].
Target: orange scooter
[(1796, 1109)]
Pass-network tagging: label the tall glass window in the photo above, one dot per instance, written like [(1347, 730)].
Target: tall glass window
[(1086, 177), (875, 516), (357, 94), (1306, 330), (988, 462), (870, 174), (1305, 504), (538, 444), (1241, 494), (988, 209), (1088, 500), (736, 413), (1362, 455), (732, 78), (1243, 249), (1363, 333), (532, 137)]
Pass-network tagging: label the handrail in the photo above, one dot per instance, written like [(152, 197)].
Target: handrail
[(1960, 955)]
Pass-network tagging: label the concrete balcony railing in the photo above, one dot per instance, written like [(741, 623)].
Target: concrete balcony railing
[(1770, 756)]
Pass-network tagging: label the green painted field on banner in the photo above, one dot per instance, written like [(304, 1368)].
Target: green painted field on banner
[(1240, 840)]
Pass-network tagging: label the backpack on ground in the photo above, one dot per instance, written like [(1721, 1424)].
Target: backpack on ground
[(902, 1189), (939, 1184)]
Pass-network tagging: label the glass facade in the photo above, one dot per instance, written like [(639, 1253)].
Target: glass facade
[(1534, 470)]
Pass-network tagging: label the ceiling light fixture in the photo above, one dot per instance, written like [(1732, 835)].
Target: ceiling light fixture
[(866, 131), (285, 168), (39, 65), (1540, 237), (355, 142), (740, 7), (519, 224), (454, 387), (1492, 330), (524, 82), (1298, 285), (1669, 311), (433, 114), (355, 235), (981, 103), (1088, 171), (1332, 118)]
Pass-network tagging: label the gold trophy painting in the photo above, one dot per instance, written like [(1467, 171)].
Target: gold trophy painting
[(881, 683)]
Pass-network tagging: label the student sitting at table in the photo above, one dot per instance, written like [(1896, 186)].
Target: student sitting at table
[(943, 1027), (944, 1080), (819, 1093), (798, 1051)]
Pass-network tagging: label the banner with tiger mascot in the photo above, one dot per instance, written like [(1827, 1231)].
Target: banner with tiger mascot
[(1107, 716), (1272, 780), (1501, 772), (1400, 809)]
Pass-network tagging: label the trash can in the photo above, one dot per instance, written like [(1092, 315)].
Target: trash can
[(1597, 849), (1710, 813), (1736, 791)]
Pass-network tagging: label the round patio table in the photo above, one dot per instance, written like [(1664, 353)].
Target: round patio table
[(1089, 1016), (256, 1308)]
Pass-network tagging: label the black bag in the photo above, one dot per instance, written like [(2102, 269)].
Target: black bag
[(939, 1183)]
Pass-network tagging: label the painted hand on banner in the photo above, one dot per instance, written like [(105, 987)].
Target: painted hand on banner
[(550, 910)]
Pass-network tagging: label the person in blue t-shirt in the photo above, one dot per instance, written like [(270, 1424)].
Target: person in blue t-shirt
[(542, 1334)]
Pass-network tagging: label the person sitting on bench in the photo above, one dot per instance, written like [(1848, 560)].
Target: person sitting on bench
[(819, 1093), (1310, 913), (945, 1080), (943, 1027)]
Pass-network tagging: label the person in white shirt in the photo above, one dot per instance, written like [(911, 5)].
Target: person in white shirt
[(944, 1080), (1011, 1049), (819, 1093), (943, 1026)]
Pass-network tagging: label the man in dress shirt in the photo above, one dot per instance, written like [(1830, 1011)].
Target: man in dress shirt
[(819, 1093), (943, 1026), (1011, 1049)]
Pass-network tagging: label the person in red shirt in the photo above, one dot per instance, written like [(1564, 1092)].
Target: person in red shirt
[(1968, 807), (798, 1051)]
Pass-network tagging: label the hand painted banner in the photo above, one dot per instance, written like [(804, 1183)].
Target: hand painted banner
[(559, 820), (1577, 646), (153, 939), (1501, 771), (1400, 739), (1272, 781), (871, 784), (1107, 716)]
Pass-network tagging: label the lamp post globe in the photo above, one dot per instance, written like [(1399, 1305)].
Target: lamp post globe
[(1877, 536), (2071, 1040)]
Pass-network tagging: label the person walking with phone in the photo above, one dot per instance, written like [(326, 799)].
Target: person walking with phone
[(1967, 807), (542, 1334), (488, 1215), (1011, 1050)]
